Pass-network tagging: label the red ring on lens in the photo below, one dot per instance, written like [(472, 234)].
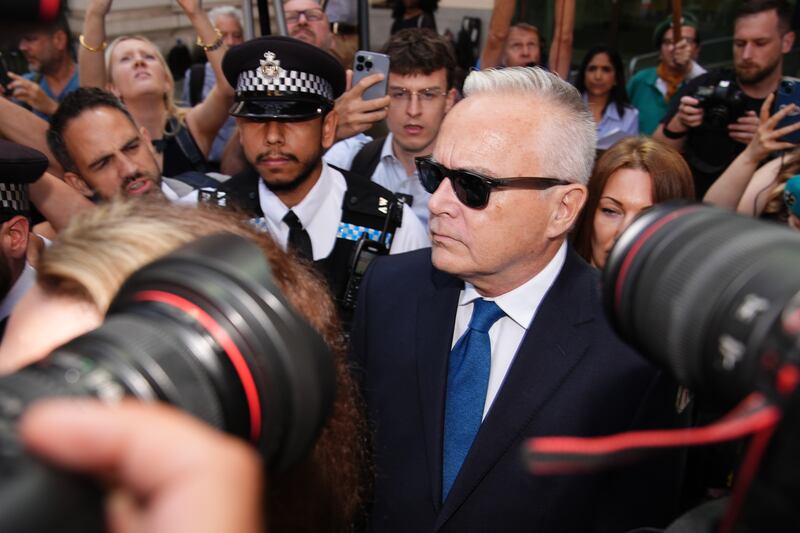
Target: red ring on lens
[(222, 338)]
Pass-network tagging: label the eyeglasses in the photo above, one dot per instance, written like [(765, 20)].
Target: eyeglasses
[(312, 15), (403, 95), (669, 42), (472, 189)]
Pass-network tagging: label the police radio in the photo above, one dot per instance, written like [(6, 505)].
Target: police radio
[(365, 251)]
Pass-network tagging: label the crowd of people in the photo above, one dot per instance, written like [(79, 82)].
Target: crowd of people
[(444, 240)]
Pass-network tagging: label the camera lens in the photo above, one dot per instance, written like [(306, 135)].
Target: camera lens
[(368, 64), (359, 67), (360, 59), (707, 294)]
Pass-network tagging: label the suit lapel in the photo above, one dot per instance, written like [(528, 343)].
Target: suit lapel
[(551, 348), (436, 315)]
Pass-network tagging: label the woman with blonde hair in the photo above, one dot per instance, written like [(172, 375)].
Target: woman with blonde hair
[(631, 176), (81, 272), (134, 70)]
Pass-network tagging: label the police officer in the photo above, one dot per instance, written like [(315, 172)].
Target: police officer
[(285, 92), (19, 166)]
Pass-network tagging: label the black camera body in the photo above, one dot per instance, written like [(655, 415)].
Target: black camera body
[(722, 104)]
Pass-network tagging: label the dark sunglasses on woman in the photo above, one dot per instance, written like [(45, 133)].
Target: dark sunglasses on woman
[(472, 189)]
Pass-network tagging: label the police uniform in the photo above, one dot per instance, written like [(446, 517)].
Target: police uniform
[(280, 78), (19, 166)]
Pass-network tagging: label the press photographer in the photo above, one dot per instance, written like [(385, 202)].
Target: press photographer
[(713, 117)]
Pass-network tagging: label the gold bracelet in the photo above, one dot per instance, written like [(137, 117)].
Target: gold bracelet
[(213, 46), (98, 49)]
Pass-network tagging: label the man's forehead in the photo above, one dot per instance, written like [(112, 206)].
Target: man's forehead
[(489, 130), (418, 79), (523, 34), (765, 22), (293, 5)]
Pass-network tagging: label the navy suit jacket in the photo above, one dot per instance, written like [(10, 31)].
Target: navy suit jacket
[(571, 376)]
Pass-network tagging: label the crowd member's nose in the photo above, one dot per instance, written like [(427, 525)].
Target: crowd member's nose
[(273, 132)]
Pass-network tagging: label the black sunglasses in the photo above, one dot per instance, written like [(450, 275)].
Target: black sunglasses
[(472, 189)]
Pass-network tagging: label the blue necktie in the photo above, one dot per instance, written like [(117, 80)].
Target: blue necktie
[(467, 380)]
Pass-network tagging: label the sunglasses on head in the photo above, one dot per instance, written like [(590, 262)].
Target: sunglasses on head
[(472, 189)]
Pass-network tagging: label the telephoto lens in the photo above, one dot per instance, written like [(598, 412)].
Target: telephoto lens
[(204, 329), (710, 295)]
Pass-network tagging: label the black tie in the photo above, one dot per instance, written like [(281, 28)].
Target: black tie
[(299, 241)]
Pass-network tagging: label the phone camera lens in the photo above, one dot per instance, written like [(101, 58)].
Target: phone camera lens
[(368, 64), (360, 59), (359, 67)]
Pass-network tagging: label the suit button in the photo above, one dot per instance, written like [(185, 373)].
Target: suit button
[(354, 200)]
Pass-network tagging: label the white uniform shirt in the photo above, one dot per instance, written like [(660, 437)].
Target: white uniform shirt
[(321, 211), (520, 306)]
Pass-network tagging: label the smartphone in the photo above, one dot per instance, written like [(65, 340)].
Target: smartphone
[(5, 79), (788, 93), (366, 63)]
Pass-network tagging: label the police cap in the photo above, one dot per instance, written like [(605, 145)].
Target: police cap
[(19, 166), (282, 78)]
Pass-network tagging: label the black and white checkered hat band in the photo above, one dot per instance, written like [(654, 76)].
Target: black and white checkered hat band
[(14, 197), (288, 81)]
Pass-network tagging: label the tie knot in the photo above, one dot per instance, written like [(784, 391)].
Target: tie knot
[(484, 314), (291, 220)]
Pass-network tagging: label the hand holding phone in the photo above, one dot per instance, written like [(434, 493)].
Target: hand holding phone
[(367, 63), (788, 93)]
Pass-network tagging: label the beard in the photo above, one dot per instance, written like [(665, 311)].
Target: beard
[(305, 173), (749, 73)]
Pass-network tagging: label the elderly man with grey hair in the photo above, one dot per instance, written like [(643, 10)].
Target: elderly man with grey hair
[(496, 334)]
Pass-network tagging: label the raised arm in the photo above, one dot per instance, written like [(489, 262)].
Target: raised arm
[(499, 24), (206, 118), (728, 190), (19, 125), (91, 52), (561, 48), (56, 200)]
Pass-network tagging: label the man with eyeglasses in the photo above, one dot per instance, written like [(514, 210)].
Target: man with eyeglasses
[(420, 88), (284, 109), (651, 90), (496, 334), (712, 136)]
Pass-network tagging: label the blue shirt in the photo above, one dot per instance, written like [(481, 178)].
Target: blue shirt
[(613, 127), (71, 85)]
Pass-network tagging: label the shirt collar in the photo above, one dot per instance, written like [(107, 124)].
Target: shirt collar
[(611, 109), (274, 209), (521, 304), (387, 150), (24, 282)]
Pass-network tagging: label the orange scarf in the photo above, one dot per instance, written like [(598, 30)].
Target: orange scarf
[(672, 80)]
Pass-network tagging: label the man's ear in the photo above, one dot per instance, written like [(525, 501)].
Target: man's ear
[(787, 42), (60, 40), (571, 199), (329, 123), (451, 99), (15, 237), (78, 183)]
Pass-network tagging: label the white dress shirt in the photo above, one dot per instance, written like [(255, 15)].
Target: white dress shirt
[(190, 198), (321, 211), (520, 306)]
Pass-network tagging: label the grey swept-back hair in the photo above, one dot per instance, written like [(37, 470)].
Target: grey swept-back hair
[(229, 11), (569, 142)]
